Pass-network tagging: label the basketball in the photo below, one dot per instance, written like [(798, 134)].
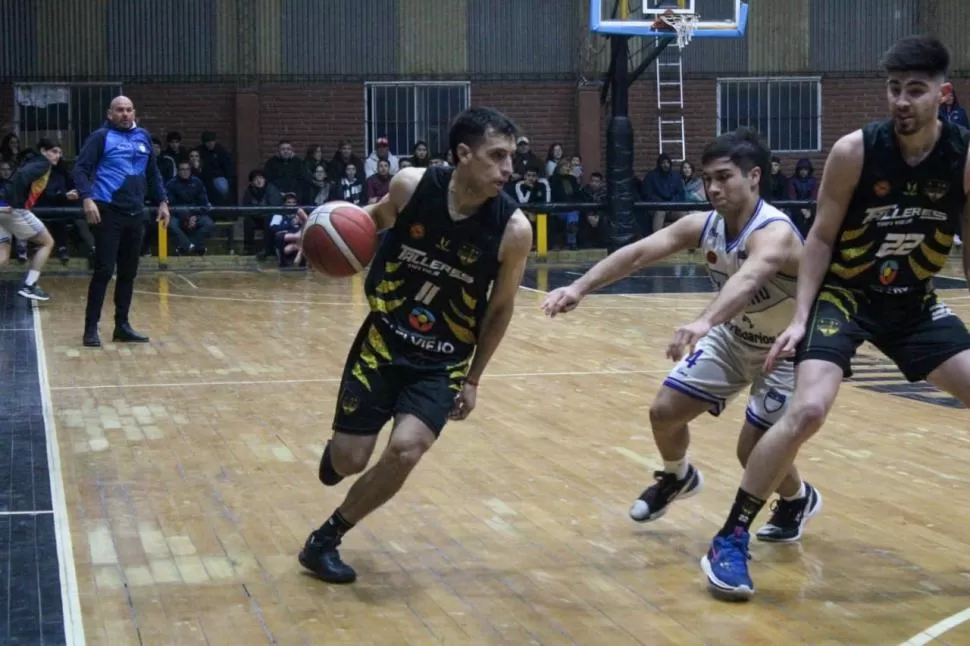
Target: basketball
[(339, 239)]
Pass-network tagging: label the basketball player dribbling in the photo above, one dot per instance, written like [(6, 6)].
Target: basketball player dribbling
[(752, 251), (452, 234), (890, 202)]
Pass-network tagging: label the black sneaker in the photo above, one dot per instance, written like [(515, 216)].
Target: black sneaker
[(34, 293), (790, 517), (320, 556), (653, 502)]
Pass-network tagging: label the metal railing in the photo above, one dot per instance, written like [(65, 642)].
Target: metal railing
[(619, 234)]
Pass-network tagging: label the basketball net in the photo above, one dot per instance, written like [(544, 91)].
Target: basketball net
[(684, 24)]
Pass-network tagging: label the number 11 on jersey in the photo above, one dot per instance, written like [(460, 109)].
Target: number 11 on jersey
[(427, 293)]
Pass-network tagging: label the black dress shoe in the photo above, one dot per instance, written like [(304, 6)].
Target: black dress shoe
[(125, 334), (91, 339)]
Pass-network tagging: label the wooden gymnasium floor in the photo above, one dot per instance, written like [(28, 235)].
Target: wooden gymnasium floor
[(185, 471)]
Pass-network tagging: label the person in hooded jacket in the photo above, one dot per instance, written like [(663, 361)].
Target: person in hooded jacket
[(662, 184), (803, 185), (950, 110)]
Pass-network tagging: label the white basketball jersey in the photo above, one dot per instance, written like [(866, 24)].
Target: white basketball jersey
[(771, 309)]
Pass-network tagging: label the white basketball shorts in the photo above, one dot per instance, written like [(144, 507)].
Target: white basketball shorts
[(721, 366), (19, 223)]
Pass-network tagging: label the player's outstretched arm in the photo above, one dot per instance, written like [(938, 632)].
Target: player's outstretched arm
[(965, 229), (513, 256), (839, 179), (770, 250)]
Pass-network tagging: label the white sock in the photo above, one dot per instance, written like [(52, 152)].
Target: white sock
[(32, 276), (802, 492), (677, 467)]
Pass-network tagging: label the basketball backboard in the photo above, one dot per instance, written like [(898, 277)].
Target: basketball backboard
[(716, 18)]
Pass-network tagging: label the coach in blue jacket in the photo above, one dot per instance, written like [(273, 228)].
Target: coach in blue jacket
[(114, 172)]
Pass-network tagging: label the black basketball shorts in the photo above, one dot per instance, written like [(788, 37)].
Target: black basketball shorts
[(917, 332), (380, 381)]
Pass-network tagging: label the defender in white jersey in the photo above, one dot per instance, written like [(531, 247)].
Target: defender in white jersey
[(752, 251)]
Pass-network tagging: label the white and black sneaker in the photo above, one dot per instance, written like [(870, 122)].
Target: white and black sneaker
[(790, 517), (34, 293), (655, 499)]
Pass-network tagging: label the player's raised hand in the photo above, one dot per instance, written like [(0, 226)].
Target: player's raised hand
[(785, 344), (560, 301), (685, 337)]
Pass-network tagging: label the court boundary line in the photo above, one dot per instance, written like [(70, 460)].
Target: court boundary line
[(938, 629), (330, 380), (72, 617), (32, 512)]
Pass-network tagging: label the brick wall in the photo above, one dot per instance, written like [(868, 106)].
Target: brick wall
[(547, 113)]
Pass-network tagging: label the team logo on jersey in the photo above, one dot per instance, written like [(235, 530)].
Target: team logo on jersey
[(888, 272), (421, 320), (936, 189), (443, 245), (882, 188), (912, 189), (711, 258), (827, 326), (468, 254), (774, 401), (349, 403), (416, 231)]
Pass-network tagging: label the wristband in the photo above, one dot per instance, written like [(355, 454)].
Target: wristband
[(471, 381)]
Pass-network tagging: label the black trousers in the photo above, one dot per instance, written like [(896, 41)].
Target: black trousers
[(119, 238)]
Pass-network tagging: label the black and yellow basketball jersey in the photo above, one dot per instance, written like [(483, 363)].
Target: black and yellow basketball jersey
[(429, 282), (899, 227)]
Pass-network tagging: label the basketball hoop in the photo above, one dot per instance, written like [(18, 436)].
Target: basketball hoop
[(685, 24)]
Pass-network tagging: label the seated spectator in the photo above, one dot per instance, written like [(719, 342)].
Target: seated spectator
[(693, 183), (405, 163), (282, 224), (382, 151), (313, 158), (662, 185), (351, 188), (285, 171), (217, 169), (779, 182), (166, 165), (593, 227), (419, 158), (322, 190), (10, 151), (341, 158), (190, 223), (565, 188), (553, 157), (379, 184), (259, 193)]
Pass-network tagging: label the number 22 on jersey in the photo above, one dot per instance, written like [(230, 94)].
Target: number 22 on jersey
[(899, 244)]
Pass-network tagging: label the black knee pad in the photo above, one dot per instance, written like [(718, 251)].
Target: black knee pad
[(326, 473)]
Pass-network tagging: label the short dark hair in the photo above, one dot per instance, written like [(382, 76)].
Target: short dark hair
[(46, 143), (472, 126), (917, 54), (746, 150)]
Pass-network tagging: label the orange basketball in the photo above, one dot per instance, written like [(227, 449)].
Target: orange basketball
[(339, 239)]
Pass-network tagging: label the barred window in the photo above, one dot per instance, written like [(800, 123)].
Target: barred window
[(786, 111), (65, 113), (409, 112)]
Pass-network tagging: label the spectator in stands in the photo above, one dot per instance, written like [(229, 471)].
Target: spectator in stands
[(378, 184), (166, 164), (553, 157), (593, 226), (195, 163), (405, 163), (314, 157), (174, 148), (779, 182), (577, 165), (950, 109), (524, 158), (530, 189), (803, 185), (284, 224), (341, 158), (58, 193), (286, 171), (565, 188), (693, 184), (420, 157), (351, 188), (321, 189), (382, 152), (218, 172), (190, 224), (10, 150), (259, 193), (662, 185)]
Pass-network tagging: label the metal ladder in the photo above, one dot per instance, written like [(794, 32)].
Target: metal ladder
[(670, 103)]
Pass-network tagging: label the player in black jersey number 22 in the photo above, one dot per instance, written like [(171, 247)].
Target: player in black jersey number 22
[(452, 235), (893, 196)]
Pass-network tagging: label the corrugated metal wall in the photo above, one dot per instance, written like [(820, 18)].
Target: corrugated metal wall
[(407, 39)]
